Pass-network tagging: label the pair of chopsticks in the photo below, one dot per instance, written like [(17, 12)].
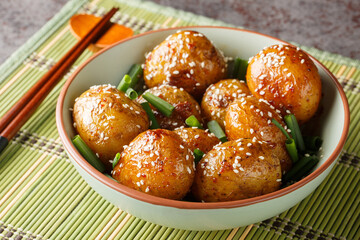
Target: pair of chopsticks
[(14, 119)]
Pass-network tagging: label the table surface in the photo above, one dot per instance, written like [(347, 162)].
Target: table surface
[(330, 25)]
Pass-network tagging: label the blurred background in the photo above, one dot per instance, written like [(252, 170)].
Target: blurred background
[(330, 25)]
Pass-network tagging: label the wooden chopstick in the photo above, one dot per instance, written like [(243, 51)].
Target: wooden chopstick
[(13, 120)]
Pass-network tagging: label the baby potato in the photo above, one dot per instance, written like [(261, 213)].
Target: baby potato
[(185, 106), (107, 120), (196, 138), (237, 170), (185, 59), (249, 117), (287, 78), (157, 162), (218, 97)]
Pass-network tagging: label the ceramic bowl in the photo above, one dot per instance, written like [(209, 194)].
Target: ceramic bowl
[(108, 67)]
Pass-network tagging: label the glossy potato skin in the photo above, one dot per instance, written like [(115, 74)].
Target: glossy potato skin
[(185, 106), (157, 162), (196, 138), (287, 78), (249, 117), (218, 96), (185, 59), (236, 170), (107, 120)]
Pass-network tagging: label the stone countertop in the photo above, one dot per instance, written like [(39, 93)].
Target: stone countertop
[(330, 25)]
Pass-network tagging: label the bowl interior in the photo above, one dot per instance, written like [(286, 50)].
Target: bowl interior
[(109, 66)]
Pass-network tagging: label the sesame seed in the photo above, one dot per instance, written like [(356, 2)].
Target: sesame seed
[(302, 61)]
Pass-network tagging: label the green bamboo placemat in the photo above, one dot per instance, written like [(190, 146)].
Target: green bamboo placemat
[(43, 197)]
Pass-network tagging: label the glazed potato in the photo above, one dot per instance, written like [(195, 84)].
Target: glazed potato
[(249, 117), (185, 59), (287, 78), (157, 162), (237, 170), (196, 138), (218, 97), (107, 120), (185, 106)]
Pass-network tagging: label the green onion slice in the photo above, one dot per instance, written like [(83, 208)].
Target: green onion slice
[(193, 122), (198, 154), (301, 168), (215, 128), (124, 83), (163, 106), (281, 128), (87, 153), (240, 67), (295, 131), (116, 160), (292, 150), (312, 143), (131, 93), (135, 73), (153, 122)]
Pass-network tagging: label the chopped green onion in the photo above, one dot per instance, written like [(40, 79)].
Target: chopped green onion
[(281, 128), (240, 67), (193, 122), (163, 106), (198, 154), (131, 93), (153, 122), (215, 128), (301, 168), (289, 143), (292, 150), (116, 160), (87, 153), (312, 143), (295, 131), (135, 73), (124, 83)]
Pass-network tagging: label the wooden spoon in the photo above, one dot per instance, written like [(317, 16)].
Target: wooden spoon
[(80, 24)]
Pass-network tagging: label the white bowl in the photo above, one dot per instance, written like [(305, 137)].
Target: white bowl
[(109, 65)]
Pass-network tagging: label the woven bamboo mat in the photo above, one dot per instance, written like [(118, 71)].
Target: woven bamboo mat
[(43, 197)]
